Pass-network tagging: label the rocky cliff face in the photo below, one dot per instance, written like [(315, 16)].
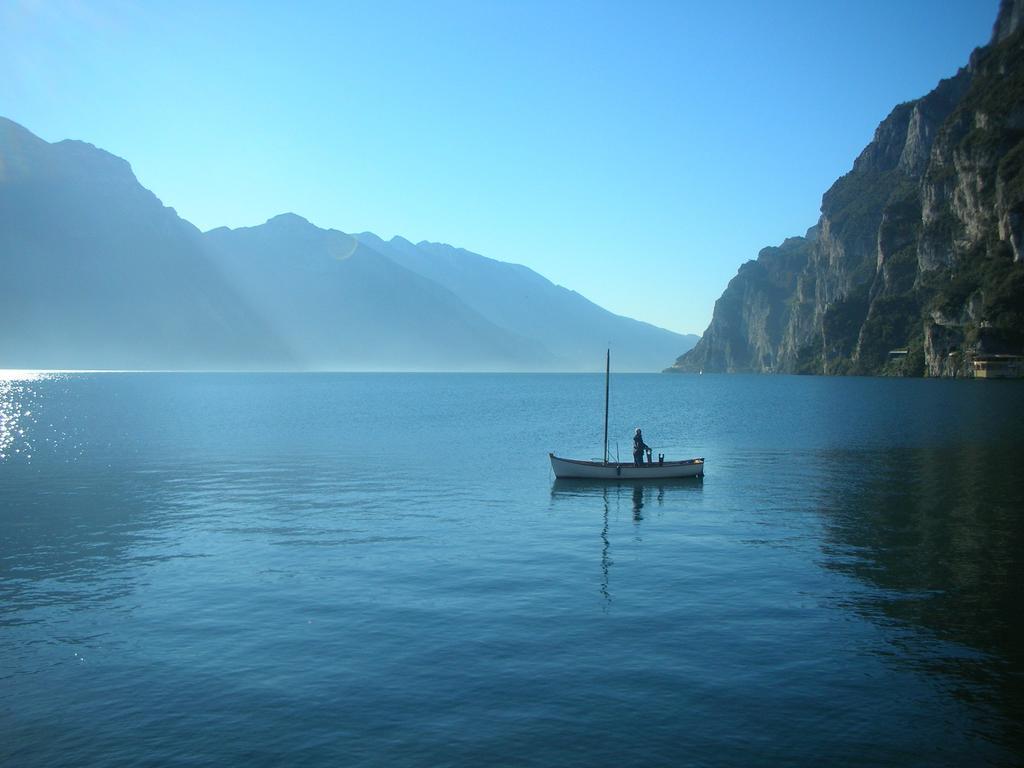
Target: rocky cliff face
[(918, 248)]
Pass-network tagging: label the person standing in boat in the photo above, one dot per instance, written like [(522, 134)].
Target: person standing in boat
[(639, 446)]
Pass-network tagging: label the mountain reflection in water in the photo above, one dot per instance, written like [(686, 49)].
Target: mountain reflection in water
[(937, 534)]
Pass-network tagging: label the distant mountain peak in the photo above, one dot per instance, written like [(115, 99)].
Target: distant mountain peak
[(289, 220), (515, 298), (10, 130), (446, 246), (19, 142), (101, 274)]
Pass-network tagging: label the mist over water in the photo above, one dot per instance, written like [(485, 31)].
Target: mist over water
[(361, 569)]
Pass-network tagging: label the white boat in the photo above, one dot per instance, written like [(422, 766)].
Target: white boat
[(615, 470), (604, 470)]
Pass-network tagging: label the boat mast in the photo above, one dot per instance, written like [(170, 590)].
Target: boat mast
[(607, 373)]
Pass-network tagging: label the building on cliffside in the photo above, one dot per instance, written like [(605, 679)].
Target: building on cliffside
[(998, 366)]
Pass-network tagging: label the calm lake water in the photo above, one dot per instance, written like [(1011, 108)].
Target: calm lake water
[(379, 570)]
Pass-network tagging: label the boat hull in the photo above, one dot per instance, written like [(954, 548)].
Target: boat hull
[(597, 470)]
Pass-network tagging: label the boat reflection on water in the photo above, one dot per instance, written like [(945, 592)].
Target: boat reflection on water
[(610, 497), (641, 492)]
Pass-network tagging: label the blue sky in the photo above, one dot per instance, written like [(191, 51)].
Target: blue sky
[(635, 152)]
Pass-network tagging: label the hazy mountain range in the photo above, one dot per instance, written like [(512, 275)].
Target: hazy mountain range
[(100, 274), (916, 266)]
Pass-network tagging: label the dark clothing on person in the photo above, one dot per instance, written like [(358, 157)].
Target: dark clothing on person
[(639, 446)]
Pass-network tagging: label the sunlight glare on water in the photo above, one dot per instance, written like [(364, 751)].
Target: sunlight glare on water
[(16, 417)]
